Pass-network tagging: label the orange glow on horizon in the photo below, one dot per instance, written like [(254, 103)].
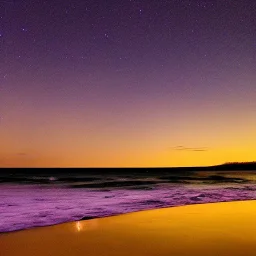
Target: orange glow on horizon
[(139, 136)]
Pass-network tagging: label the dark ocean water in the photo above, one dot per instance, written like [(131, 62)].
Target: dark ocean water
[(32, 201)]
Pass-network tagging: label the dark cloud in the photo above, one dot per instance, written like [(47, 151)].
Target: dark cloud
[(194, 149)]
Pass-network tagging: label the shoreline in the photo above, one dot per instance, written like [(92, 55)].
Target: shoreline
[(126, 213), (139, 208), (225, 228), (25, 206)]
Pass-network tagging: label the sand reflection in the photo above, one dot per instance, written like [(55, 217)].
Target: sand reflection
[(78, 226), (86, 225)]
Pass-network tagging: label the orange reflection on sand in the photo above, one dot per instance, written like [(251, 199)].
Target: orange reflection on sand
[(86, 225), (78, 226)]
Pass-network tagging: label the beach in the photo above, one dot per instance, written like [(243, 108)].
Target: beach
[(221, 229)]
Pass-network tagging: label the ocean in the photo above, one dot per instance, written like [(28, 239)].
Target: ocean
[(36, 201)]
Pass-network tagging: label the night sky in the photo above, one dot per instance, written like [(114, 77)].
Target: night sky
[(98, 83)]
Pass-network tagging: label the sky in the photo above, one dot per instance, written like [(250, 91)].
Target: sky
[(127, 83)]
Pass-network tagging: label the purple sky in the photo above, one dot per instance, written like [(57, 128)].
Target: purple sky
[(119, 83)]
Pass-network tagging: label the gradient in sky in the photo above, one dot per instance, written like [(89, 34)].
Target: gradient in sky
[(127, 83)]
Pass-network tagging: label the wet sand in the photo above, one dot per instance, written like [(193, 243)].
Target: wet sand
[(223, 229)]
